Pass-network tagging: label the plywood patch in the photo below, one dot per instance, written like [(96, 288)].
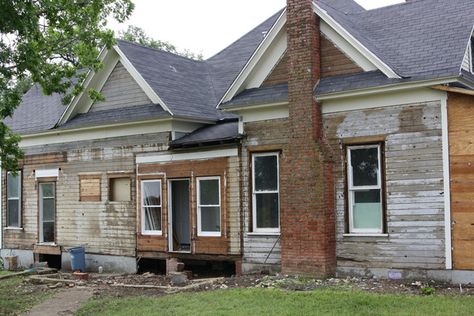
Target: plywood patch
[(89, 188)]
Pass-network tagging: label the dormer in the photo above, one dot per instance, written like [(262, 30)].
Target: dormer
[(468, 60)]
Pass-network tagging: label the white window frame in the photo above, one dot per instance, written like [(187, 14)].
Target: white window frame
[(41, 218), (142, 207), (352, 189), (14, 199), (202, 233), (257, 230)]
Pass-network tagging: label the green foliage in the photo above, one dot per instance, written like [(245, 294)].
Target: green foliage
[(47, 42), (279, 302), (427, 290), (137, 35)]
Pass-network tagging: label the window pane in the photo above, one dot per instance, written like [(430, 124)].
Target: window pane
[(13, 213), (48, 232), (365, 166), (267, 210), (209, 194), (266, 173), (48, 209), (152, 218), (152, 193), (367, 210), (210, 219), (47, 190), (13, 182)]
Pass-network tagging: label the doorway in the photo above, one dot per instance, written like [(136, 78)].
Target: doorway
[(179, 216), (47, 212)]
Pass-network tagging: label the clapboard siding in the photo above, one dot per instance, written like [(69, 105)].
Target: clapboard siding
[(120, 90), (103, 227), (414, 186), (271, 135)]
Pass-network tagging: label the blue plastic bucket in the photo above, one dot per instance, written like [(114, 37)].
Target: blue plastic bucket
[(78, 258)]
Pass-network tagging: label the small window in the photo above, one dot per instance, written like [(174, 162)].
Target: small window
[(120, 189), (265, 193), (89, 188), (14, 199), (209, 206), (365, 189), (151, 207)]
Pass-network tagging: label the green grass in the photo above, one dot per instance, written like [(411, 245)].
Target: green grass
[(15, 299), (4, 272), (279, 302)]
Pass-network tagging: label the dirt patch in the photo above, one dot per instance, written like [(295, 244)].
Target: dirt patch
[(66, 302)]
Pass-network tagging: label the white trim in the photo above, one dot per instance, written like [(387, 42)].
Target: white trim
[(345, 47), (255, 229), (47, 173), (140, 81), (143, 230), (446, 182), (379, 100), (200, 232), (364, 235), (169, 157), (237, 83), (352, 189), (253, 234), (354, 42), (13, 228)]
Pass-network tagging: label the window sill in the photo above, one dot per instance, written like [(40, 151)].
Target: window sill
[(158, 234), (365, 235), (209, 235), (13, 228), (263, 234)]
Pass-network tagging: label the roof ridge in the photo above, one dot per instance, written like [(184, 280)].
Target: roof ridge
[(160, 51)]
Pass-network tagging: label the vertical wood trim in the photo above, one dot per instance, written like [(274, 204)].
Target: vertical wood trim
[(446, 182)]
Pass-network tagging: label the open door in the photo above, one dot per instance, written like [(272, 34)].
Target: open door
[(179, 216)]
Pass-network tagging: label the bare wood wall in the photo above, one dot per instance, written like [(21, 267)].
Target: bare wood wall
[(414, 186)]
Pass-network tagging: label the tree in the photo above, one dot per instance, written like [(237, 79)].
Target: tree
[(137, 35), (48, 41)]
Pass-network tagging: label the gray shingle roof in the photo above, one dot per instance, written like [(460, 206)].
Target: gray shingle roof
[(36, 112), (425, 38), (114, 116), (222, 132), (264, 95)]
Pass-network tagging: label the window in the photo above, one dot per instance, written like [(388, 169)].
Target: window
[(209, 206), (14, 200), (89, 188), (120, 189), (151, 207), (47, 204), (265, 193), (365, 189)]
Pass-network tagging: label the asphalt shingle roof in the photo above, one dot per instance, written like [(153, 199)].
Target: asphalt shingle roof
[(222, 132)]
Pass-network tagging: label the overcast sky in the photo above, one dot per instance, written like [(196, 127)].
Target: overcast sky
[(207, 26)]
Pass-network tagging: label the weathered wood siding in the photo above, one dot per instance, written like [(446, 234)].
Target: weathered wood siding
[(228, 169), (461, 152), (279, 74), (264, 136), (120, 91), (414, 186), (104, 227)]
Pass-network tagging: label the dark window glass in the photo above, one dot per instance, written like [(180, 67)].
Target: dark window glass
[(266, 173), (209, 194), (267, 210), (365, 166), (210, 219)]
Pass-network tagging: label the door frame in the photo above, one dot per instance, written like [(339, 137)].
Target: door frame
[(40, 213), (170, 215)]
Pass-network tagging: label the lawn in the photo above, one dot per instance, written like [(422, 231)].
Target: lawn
[(280, 302), (16, 298)]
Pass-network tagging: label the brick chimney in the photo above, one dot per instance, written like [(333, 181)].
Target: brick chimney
[(307, 216)]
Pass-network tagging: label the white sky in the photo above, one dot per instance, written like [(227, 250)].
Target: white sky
[(207, 26)]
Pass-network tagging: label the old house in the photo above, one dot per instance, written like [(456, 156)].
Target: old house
[(328, 139)]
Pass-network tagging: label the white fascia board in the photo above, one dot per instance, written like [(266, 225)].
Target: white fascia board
[(383, 89), (96, 132), (197, 155), (71, 108), (347, 48), (264, 112), (46, 173), (140, 81), (379, 100), (261, 49), (354, 42)]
